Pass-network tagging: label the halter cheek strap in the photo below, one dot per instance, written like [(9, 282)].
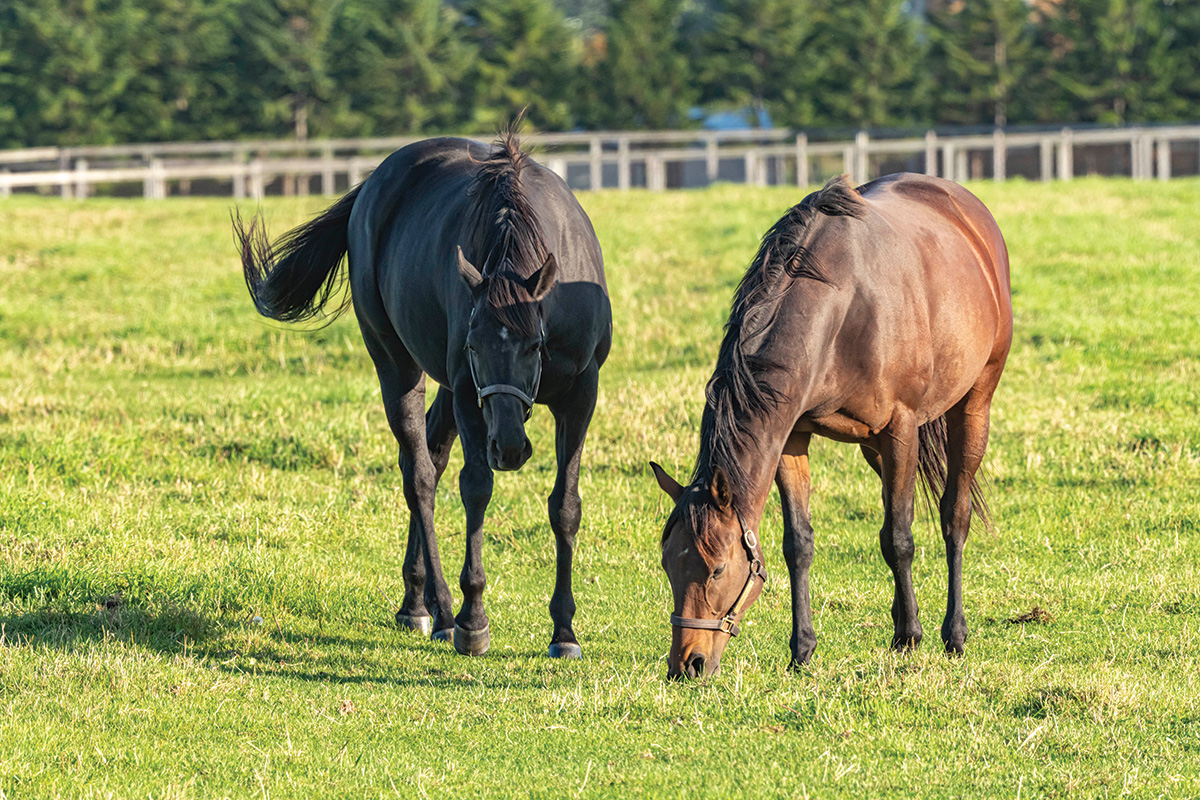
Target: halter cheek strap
[(506, 388), (727, 623)]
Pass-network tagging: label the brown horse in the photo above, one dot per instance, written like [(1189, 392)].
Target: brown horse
[(880, 316)]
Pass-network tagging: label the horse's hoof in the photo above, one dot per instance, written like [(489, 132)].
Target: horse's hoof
[(472, 643), (444, 635), (422, 623), (565, 650)]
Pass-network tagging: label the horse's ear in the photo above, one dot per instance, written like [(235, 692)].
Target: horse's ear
[(467, 271), (722, 492), (541, 282), (667, 483)]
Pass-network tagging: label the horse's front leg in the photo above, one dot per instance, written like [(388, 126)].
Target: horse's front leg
[(572, 414), (794, 482), (471, 633)]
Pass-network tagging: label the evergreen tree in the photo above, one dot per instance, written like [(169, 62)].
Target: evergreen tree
[(284, 47), (398, 66), (527, 59), (875, 73), (637, 72), (761, 55), (1110, 61), (981, 53), (71, 65)]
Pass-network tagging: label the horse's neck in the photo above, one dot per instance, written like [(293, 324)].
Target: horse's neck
[(759, 456)]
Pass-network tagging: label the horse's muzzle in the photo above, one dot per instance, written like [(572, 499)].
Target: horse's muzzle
[(508, 458)]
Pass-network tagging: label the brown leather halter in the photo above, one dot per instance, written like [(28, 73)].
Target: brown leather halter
[(726, 624)]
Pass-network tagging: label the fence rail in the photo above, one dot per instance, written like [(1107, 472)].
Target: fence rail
[(654, 160)]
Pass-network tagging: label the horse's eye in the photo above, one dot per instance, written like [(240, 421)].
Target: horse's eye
[(534, 348), (719, 571)]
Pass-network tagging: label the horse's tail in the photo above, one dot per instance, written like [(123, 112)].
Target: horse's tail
[(292, 278), (931, 463)]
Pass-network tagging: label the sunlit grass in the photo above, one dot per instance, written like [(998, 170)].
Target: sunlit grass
[(172, 467)]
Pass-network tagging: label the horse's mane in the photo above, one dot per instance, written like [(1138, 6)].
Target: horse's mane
[(507, 238), (740, 391)]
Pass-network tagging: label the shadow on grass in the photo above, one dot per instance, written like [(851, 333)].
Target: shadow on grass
[(271, 651)]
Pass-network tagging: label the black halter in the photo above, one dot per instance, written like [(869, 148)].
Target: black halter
[(505, 388), (727, 624)]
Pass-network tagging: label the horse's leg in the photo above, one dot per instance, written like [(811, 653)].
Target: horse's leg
[(439, 437), (872, 459), (572, 414), (472, 635), (898, 457), (792, 478), (404, 402), (966, 440)]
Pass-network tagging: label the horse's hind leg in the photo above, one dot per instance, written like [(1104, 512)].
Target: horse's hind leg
[(440, 433), (572, 415), (898, 450), (966, 440), (403, 387), (794, 482)]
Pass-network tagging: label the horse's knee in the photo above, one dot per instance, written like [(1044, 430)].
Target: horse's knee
[(475, 486), (566, 512)]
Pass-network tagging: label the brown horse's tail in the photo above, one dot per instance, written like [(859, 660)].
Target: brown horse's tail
[(293, 278), (931, 462)]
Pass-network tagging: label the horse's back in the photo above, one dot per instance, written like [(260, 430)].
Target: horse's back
[(917, 305), (957, 262)]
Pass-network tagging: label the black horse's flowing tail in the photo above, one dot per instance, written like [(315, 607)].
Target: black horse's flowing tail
[(293, 278), (931, 463)]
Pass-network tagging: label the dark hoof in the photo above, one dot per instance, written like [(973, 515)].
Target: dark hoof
[(565, 650), (444, 635), (472, 643), (422, 623)]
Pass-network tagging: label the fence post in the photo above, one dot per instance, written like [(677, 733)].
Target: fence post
[(595, 165), (931, 148), (962, 174), (1046, 153), (949, 161), (64, 161), (257, 182), (327, 176), (354, 172), (5, 183), (861, 157), (558, 166), (802, 159), (712, 160), (81, 185), (848, 160), (239, 175), (1164, 159), (655, 174), (999, 156), (1066, 156), (624, 168)]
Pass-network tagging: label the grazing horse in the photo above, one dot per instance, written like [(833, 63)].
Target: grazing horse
[(882, 317), (475, 266)]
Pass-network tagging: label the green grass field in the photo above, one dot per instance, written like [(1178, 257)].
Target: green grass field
[(172, 466)]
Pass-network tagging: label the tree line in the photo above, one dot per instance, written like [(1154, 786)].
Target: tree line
[(106, 71)]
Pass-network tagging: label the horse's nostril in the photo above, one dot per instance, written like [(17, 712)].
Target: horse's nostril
[(695, 665)]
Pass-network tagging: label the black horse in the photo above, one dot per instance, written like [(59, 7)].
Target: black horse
[(475, 266)]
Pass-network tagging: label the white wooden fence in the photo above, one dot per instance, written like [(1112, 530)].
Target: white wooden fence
[(622, 160)]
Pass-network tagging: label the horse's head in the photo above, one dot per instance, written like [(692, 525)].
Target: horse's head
[(504, 346), (714, 564)]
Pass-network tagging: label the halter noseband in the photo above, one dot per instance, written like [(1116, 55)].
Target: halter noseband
[(726, 624), (505, 388)]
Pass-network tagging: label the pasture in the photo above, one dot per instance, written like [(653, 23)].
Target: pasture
[(173, 470)]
